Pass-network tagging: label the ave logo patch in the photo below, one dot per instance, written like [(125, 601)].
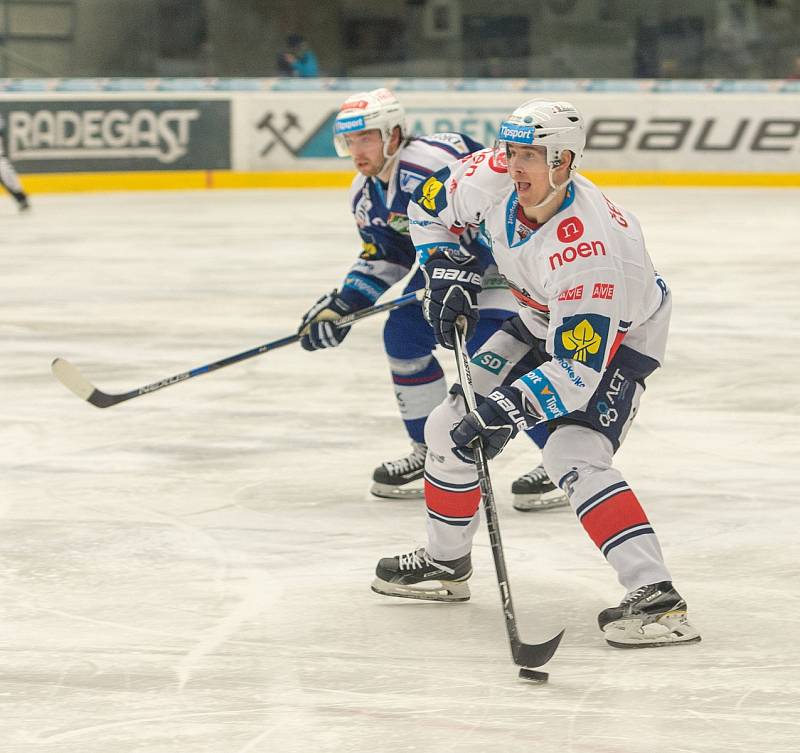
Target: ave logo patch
[(573, 294), (603, 290), (583, 338)]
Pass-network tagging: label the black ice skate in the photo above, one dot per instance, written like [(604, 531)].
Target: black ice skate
[(652, 615), (22, 201), (401, 479), (417, 576), (535, 491)]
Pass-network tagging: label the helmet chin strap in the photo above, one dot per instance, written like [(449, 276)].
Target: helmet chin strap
[(554, 188), (390, 161)]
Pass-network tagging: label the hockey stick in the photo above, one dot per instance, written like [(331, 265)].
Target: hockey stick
[(524, 654), (72, 378)]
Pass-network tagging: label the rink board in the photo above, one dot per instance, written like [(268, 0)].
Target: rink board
[(268, 133)]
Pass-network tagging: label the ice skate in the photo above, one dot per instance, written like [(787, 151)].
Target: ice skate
[(417, 576), (653, 615), (401, 479), (535, 491)]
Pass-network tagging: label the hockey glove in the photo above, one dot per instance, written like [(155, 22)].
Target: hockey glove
[(451, 291), (317, 329), (498, 419)]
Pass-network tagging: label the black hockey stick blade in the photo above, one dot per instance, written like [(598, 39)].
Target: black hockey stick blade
[(535, 654)]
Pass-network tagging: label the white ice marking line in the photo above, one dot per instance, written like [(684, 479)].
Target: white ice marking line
[(255, 597)]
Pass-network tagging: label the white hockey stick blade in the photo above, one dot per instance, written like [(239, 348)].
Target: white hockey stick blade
[(71, 378)]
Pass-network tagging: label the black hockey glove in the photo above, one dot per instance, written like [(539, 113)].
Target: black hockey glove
[(498, 419), (452, 285), (317, 328)]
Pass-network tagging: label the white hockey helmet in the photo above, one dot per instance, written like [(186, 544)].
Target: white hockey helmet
[(364, 111), (557, 126)]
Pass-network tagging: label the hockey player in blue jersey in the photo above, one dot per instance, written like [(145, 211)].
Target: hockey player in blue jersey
[(370, 129)]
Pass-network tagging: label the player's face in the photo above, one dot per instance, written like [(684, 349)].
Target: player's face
[(527, 166), (366, 151)]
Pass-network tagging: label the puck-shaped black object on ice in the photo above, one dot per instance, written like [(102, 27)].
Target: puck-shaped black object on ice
[(533, 675)]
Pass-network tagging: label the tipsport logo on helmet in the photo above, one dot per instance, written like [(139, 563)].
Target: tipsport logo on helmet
[(516, 134), (349, 125)]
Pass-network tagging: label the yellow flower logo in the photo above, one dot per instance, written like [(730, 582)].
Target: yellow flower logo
[(429, 192), (368, 250), (582, 340)]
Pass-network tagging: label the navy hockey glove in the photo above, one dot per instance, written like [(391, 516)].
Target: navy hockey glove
[(317, 329), (498, 419), (452, 285)]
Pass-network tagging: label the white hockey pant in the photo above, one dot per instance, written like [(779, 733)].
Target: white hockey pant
[(579, 459)]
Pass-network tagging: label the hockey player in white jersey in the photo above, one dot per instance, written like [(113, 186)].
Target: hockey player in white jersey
[(592, 326), (370, 129), (8, 175)]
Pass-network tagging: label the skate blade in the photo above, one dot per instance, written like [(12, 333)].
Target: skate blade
[(448, 590), (671, 629), (538, 502), (387, 491)]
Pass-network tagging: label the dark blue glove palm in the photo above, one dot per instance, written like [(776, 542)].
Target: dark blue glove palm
[(452, 286), (497, 420), (318, 329)]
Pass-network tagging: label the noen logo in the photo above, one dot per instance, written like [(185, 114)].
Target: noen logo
[(569, 230), (516, 134), (570, 253)]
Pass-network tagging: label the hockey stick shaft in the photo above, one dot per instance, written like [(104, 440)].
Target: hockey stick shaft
[(73, 380), (524, 654)]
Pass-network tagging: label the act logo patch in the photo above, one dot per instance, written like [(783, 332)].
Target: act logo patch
[(583, 339), (490, 361), (431, 196)]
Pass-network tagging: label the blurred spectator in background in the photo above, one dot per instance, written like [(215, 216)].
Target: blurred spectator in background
[(298, 60), (737, 38), (8, 175), (795, 72), (668, 68)]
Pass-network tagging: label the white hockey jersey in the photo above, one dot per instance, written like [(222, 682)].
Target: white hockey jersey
[(583, 280)]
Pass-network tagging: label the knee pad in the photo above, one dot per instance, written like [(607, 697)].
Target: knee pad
[(575, 452), (438, 426), (409, 366), (407, 335)]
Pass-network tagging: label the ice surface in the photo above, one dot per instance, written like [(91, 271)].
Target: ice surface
[(189, 571)]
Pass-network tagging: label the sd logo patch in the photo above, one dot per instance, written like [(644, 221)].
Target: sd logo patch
[(583, 339), (490, 361)]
